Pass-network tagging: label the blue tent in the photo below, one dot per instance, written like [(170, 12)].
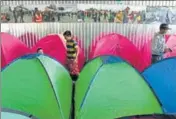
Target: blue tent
[(162, 78)]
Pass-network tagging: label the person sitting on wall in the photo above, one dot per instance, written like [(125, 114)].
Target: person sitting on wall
[(40, 51), (158, 44), (72, 54)]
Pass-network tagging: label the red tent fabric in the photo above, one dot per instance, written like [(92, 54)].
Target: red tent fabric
[(94, 42), (30, 39), (167, 37), (171, 43), (11, 48), (139, 40), (118, 45), (54, 46), (146, 53)]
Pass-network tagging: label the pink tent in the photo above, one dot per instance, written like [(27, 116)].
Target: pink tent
[(94, 43), (171, 43), (11, 48), (30, 39), (139, 40), (167, 37), (146, 55), (54, 46), (118, 45), (143, 43)]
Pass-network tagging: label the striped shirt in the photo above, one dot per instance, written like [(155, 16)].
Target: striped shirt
[(71, 49)]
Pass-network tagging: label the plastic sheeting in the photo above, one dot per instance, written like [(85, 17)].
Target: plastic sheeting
[(11, 48), (54, 46), (162, 78), (118, 45)]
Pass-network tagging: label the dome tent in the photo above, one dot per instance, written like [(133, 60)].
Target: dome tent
[(163, 82), (118, 45), (37, 85), (94, 42), (52, 46), (105, 91), (11, 48)]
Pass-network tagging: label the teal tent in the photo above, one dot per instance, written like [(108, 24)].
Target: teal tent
[(14, 114), (110, 88), (37, 85)]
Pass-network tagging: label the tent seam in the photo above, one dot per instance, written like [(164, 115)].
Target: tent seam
[(59, 106), (93, 78)]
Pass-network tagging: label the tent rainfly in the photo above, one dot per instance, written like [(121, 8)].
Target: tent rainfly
[(37, 85)]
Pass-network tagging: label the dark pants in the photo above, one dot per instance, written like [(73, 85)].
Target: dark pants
[(156, 58)]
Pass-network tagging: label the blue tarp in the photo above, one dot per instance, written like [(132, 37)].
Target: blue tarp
[(162, 78)]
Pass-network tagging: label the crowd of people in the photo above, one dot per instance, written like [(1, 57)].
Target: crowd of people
[(53, 13), (121, 16), (21, 14)]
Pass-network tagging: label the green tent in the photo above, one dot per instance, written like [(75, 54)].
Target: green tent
[(37, 85), (110, 88)]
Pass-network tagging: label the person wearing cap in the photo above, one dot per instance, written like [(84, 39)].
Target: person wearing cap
[(158, 44), (72, 54)]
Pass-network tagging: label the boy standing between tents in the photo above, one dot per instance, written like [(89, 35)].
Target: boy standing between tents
[(72, 58), (72, 54), (158, 44)]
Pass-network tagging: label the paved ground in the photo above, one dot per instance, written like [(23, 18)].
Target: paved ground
[(65, 19), (28, 19)]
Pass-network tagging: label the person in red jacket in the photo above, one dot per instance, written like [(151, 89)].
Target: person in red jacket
[(38, 18)]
